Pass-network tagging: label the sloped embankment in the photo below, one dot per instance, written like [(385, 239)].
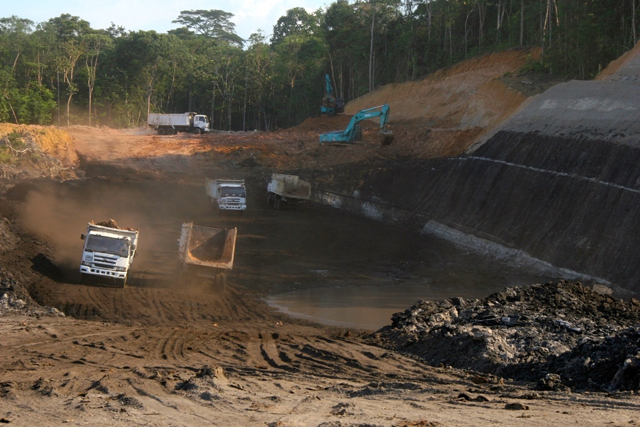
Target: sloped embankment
[(557, 185), (34, 151), (466, 95)]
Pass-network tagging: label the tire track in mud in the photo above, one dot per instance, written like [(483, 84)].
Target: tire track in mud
[(330, 358), (232, 345), (200, 309), (157, 312), (116, 305), (102, 302), (274, 356), (158, 306), (148, 307), (169, 345), (81, 344), (171, 313), (145, 306), (84, 303)]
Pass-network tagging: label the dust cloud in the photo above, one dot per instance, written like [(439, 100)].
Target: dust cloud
[(59, 214)]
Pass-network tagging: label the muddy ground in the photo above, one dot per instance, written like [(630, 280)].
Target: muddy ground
[(158, 354)]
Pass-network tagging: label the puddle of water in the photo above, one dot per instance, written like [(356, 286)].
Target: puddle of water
[(365, 307)]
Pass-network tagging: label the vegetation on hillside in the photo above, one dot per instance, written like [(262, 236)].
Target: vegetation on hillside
[(64, 72)]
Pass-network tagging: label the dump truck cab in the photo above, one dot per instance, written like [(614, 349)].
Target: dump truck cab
[(107, 255)]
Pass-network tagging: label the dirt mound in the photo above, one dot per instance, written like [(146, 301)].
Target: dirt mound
[(466, 95), (444, 113), (47, 139), (559, 334), (34, 151), (16, 300), (618, 67), (604, 109), (111, 223), (8, 239), (323, 124)]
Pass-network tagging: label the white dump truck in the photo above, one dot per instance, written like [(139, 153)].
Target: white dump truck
[(205, 252), (287, 189), (171, 124), (108, 253), (227, 194)]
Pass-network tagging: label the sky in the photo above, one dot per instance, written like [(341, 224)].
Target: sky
[(133, 15)]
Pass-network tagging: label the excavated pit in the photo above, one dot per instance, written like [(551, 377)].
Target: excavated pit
[(555, 186), (568, 203)]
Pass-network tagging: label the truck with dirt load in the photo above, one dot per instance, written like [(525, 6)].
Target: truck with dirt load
[(287, 190), (205, 252), (107, 254), (227, 194), (171, 124)]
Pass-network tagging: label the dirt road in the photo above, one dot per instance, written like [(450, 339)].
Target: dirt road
[(158, 354)]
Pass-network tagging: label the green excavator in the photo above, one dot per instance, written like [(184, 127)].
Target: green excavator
[(353, 132)]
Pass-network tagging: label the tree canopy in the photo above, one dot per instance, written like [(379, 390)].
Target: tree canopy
[(213, 24), (64, 72)]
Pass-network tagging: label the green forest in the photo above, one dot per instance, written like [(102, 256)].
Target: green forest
[(64, 72)]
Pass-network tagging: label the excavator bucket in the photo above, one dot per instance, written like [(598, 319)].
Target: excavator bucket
[(386, 137)]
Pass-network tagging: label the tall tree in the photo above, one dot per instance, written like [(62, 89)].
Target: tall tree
[(297, 21), (14, 33), (215, 24), (70, 33), (96, 43)]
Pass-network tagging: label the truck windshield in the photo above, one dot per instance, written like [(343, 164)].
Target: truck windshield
[(107, 244), (232, 191)]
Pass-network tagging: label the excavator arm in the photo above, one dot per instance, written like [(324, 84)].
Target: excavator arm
[(349, 134), (330, 104), (328, 89)]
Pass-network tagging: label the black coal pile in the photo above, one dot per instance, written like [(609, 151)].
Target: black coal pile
[(558, 336)]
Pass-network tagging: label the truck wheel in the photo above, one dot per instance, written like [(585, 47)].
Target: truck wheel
[(160, 131), (196, 131), (269, 198), (277, 202), (182, 275), (220, 281)]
